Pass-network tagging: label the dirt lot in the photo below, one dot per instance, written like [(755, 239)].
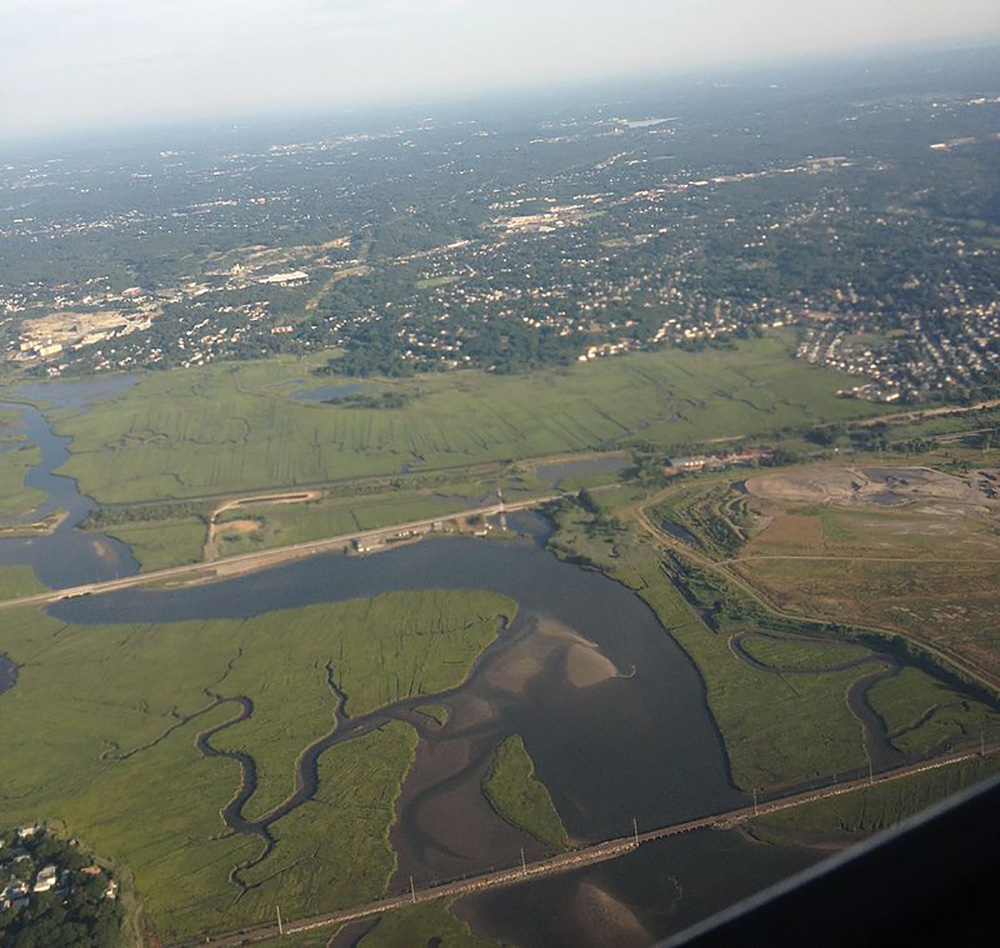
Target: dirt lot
[(885, 487), (909, 549)]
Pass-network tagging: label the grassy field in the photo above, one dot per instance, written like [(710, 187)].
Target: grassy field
[(854, 815), (334, 850), (785, 652), (18, 581), (517, 795), (945, 716), (229, 428), (15, 498), (161, 544), (286, 524), (113, 706), (929, 569)]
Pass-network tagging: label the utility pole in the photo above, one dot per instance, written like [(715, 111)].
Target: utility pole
[(413, 892), (755, 811), (281, 928), (524, 865), (982, 741), (635, 830), (871, 774)]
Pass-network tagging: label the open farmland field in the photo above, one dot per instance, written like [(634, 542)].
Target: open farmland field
[(120, 707), (232, 428), (161, 544)]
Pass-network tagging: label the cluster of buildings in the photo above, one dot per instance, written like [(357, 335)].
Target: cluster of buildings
[(24, 878), (607, 254), (27, 877), (696, 463), (946, 356)]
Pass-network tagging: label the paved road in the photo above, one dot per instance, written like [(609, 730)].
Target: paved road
[(249, 562), (587, 855)]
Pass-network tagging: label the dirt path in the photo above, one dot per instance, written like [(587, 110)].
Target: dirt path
[(211, 549)]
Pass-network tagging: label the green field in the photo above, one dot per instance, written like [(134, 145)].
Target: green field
[(430, 925), (160, 544), (944, 715), (119, 708), (228, 428), (18, 581), (15, 498), (517, 795), (870, 810), (790, 653)]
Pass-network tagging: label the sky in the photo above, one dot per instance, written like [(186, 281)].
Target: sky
[(68, 65)]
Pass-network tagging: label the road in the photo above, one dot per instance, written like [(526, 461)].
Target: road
[(577, 858), (251, 562), (210, 551)]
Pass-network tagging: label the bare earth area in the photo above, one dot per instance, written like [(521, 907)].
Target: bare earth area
[(904, 548)]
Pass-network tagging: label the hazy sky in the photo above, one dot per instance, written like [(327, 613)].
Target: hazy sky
[(66, 64)]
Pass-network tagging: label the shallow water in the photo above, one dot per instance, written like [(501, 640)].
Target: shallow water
[(80, 394), (8, 674), (662, 888), (326, 393), (66, 557), (589, 467)]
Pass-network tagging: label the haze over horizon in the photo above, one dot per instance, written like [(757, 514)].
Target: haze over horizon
[(72, 65)]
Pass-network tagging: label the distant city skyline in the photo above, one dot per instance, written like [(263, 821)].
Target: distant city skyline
[(71, 65)]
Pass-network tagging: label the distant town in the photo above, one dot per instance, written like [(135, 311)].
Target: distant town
[(452, 244)]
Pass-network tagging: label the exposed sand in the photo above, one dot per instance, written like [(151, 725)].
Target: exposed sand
[(520, 665), (583, 661), (239, 527), (104, 551), (585, 664), (879, 486), (601, 919)]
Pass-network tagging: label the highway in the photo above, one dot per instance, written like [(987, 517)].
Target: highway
[(251, 562), (577, 858)]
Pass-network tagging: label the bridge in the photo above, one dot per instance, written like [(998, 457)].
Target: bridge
[(580, 857)]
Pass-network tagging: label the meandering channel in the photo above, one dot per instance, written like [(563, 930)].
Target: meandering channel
[(882, 753)]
